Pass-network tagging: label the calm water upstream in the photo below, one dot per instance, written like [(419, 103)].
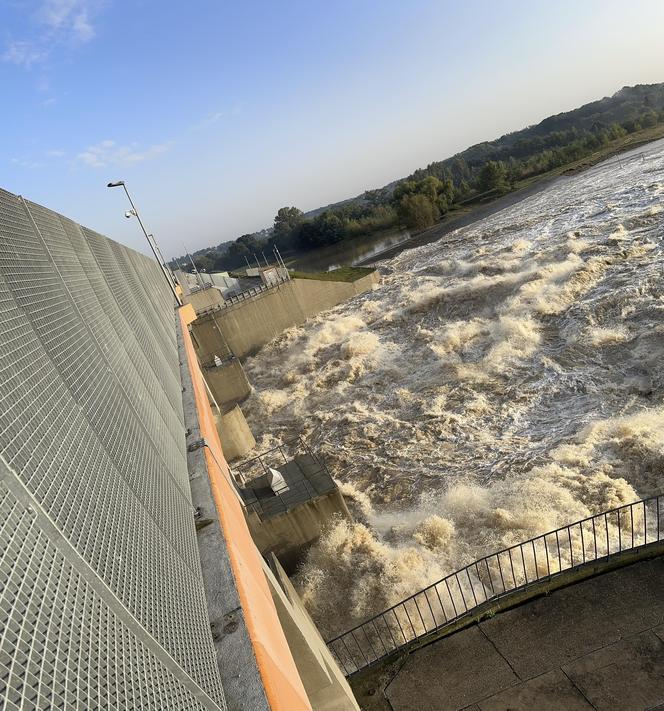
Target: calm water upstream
[(351, 252)]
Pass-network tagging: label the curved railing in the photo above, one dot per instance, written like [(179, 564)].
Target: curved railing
[(464, 592)]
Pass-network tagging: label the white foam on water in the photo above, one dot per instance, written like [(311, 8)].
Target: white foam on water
[(499, 383)]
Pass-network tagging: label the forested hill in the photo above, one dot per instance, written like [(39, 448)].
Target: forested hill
[(479, 173), (632, 108)]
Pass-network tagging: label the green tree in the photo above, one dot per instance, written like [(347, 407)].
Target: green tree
[(460, 171), (616, 131), (234, 257), (493, 176), (405, 187), (326, 228), (250, 241), (286, 223), (462, 191), (446, 193), (416, 211), (648, 119), (430, 187), (378, 197), (204, 263)]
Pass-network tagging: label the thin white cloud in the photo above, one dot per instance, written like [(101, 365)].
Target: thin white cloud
[(56, 153), (216, 116), (55, 23), (82, 27), (108, 152), (23, 54), (26, 163), (71, 17)]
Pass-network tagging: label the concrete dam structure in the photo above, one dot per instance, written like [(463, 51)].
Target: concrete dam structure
[(229, 329), (128, 577), (247, 325), (137, 571)]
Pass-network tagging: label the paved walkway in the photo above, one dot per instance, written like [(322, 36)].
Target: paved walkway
[(598, 644)]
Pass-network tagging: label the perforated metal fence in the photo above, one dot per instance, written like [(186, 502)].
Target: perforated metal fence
[(101, 594), (461, 593)]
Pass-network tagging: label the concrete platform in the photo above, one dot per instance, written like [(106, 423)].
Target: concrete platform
[(598, 645)]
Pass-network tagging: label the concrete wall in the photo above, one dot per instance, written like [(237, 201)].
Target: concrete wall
[(228, 382), (289, 535), (236, 437), (204, 298), (250, 324), (323, 681), (255, 661)]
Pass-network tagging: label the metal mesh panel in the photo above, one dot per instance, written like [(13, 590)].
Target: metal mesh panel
[(162, 425), (134, 313), (90, 432), (60, 644), (152, 316), (157, 290), (81, 365), (152, 286), (110, 308)]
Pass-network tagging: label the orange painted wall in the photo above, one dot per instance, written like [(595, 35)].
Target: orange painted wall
[(282, 683)]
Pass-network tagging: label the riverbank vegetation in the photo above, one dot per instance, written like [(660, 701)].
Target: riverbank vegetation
[(478, 174)]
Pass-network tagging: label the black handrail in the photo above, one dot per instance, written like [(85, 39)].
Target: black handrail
[(514, 568)]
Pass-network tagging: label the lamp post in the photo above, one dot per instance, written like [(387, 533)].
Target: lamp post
[(193, 264), (152, 242)]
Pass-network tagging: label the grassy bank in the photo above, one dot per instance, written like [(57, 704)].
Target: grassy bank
[(470, 212), (621, 145), (347, 274)]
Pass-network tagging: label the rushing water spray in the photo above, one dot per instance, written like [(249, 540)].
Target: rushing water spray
[(499, 383)]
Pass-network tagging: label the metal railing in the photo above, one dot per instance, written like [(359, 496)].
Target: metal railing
[(461, 593), (238, 297), (277, 456), (312, 478)]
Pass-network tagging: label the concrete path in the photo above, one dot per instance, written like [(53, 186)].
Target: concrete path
[(598, 644)]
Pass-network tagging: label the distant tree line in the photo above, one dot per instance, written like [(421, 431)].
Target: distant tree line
[(482, 171)]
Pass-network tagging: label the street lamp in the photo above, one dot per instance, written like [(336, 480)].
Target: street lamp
[(152, 242)]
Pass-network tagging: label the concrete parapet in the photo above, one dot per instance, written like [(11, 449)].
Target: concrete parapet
[(323, 681), (288, 535), (204, 298), (246, 326)]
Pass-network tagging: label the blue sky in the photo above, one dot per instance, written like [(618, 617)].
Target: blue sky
[(218, 113)]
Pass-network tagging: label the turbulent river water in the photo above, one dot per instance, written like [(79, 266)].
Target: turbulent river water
[(499, 383)]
